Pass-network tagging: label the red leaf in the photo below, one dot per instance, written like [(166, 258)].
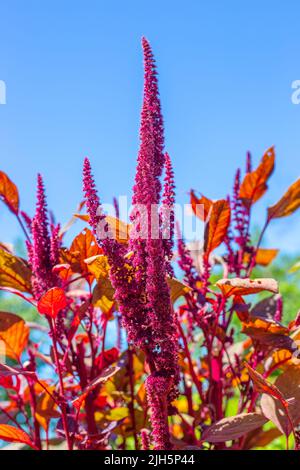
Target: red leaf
[(255, 183), (233, 427), (245, 286), (11, 434), (109, 357), (216, 225), (200, 206), (289, 202), (9, 193), (264, 386), (52, 302)]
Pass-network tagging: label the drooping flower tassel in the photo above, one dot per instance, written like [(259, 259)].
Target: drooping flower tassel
[(156, 395)]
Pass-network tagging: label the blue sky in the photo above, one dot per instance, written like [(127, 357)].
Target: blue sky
[(73, 72)]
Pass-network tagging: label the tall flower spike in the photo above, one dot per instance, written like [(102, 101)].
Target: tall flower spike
[(141, 289), (55, 244), (156, 394), (41, 214), (167, 213), (149, 252), (91, 195), (40, 250), (150, 258), (147, 190)]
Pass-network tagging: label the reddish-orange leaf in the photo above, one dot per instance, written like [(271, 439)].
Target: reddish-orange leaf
[(63, 270), (289, 385), (83, 246), (239, 286), (201, 206), (14, 333), (264, 386), (9, 193), (14, 272), (217, 225), (241, 308), (289, 202), (118, 229), (264, 256), (98, 266), (268, 333), (83, 217), (233, 427), (52, 302), (46, 408), (254, 184), (11, 434)]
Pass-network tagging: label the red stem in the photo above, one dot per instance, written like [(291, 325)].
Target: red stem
[(190, 362), (61, 384), (131, 403)]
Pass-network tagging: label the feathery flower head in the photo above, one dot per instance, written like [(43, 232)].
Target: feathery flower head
[(150, 158), (156, 388), (55, 244), (91, 195), (145, 439), (140, 284), (40, 250), (41, 214), (167, 212)]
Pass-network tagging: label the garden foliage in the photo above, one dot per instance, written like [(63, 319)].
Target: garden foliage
[(124, 354)]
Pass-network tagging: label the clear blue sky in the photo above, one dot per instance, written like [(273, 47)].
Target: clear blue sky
[(73, 71)]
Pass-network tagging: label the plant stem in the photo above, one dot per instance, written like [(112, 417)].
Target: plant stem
[(61, 384), (190, 362), (37, 437), (23, 227), (131, 403)]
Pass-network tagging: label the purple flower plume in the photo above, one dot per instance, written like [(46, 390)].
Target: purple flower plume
[(42, 250), (91, 196), (167, 212), (156, 394), (139, 280)]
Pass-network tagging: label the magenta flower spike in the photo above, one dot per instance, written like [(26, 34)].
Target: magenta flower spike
[(151, 255), (150, 157), (40, 249), (140, 284), (167, 212), (91, 195), (55, 244), (156, 394)]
